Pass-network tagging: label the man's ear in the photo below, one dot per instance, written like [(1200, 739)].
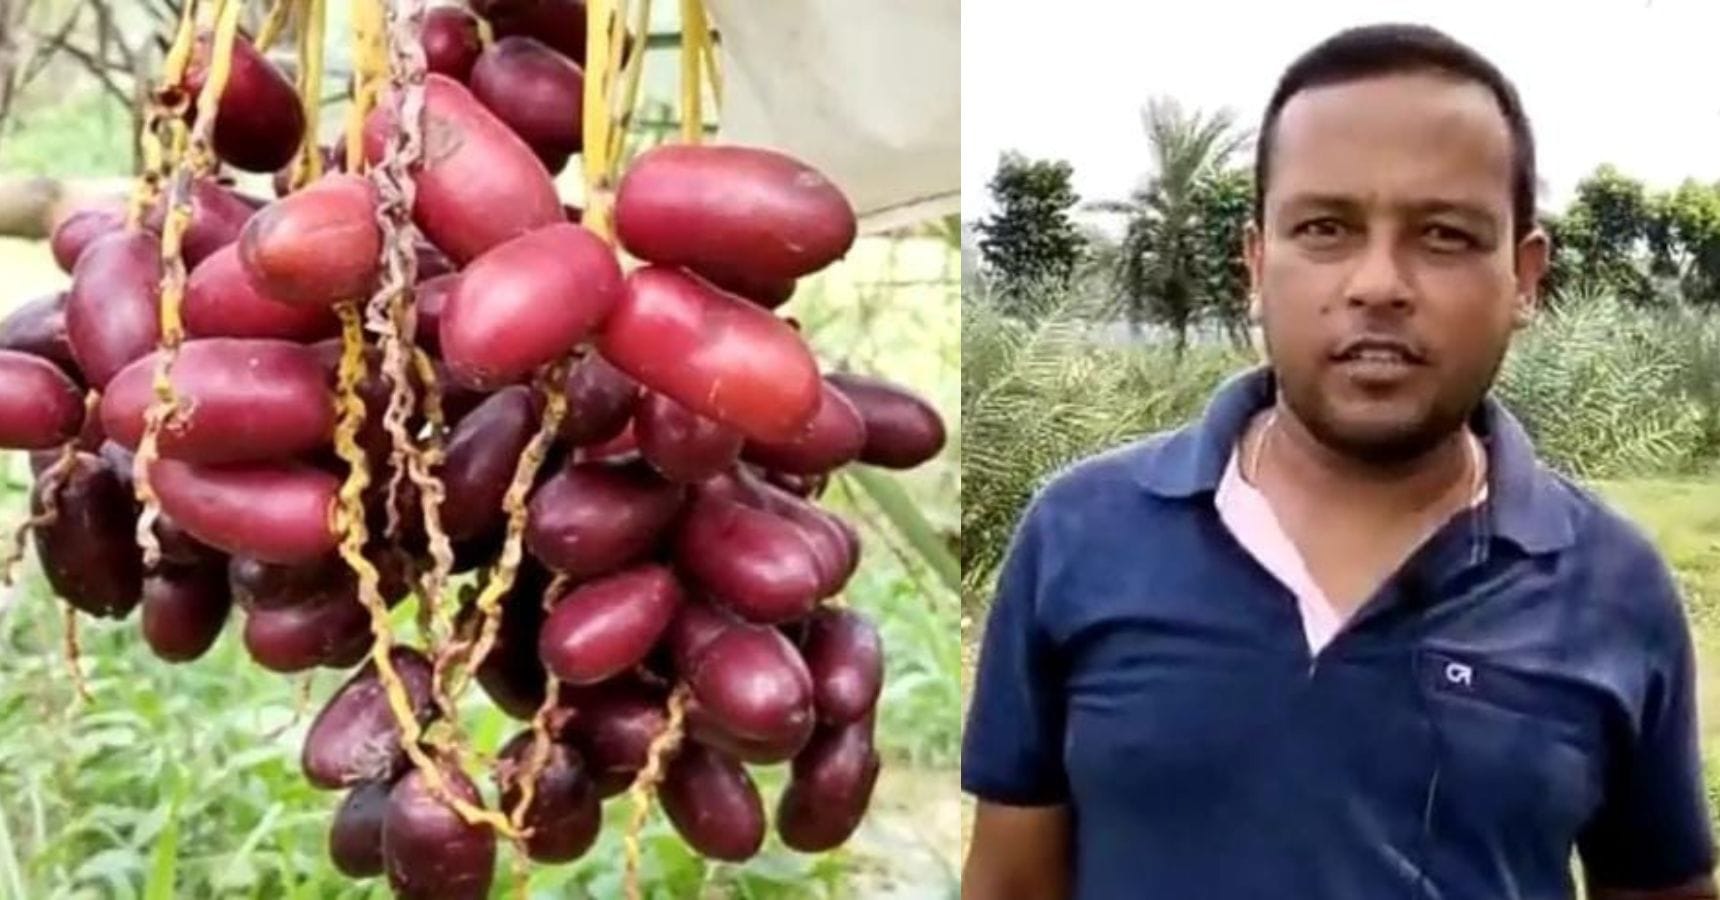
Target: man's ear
[(1533, 254), (1251, 249)]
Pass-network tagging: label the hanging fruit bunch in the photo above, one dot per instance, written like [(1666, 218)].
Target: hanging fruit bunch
[(582, 440)]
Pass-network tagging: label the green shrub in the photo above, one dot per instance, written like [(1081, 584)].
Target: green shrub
[(1605, 390), (1038, 393), (1694, 339)]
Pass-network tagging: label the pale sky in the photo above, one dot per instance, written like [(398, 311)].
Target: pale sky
[(1631, 82)]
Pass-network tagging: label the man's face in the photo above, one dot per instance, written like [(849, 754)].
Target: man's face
[(1388, 279)]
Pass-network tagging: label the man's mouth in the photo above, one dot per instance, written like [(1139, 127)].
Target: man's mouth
[(1378, 363), (1379, 351)]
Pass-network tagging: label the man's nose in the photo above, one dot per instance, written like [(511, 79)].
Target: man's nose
[(1379, 279)]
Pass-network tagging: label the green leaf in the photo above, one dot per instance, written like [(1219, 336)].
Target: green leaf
[(164, 860), (910, 522), (240, 869), (116, 864), (10, 877)]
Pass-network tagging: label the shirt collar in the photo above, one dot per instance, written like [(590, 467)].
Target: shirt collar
[(1527, 505)]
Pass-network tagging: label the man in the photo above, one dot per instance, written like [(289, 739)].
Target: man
[(1343, 638)]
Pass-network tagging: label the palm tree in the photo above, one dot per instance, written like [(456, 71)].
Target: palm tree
[(1158, 268)]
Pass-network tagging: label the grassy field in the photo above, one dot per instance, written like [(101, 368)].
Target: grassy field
[(184, 780), (1683, 518)]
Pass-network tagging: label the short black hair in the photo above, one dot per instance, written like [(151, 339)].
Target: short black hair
[(1370, 51)]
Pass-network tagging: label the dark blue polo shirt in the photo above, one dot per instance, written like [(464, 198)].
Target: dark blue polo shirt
[(1522, 686)]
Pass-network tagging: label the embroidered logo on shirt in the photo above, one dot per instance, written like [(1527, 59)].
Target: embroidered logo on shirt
[(1445, 672), (1459, 675)]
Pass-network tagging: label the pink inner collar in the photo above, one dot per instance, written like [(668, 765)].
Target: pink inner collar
[(1250, 518)]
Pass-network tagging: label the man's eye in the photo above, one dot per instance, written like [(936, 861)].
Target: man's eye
[(1320, 228), (1444, 237)]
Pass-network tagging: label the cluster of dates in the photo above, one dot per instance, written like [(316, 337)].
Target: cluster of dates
[(673, 522)]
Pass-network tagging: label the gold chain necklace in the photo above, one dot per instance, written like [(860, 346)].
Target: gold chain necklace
[(1251, 466)]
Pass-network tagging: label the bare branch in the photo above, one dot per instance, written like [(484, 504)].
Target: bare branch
[(166, 15), (157, 14), (11, 22), (99, 68), (40, 60), (106, 32), (170, 10)]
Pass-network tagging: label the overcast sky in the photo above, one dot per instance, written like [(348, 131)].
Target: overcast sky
[(1632, 82)]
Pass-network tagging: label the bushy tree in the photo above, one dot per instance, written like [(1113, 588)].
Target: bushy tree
[(1607, 227), (1223, 202), (1684, 241), (1030, 242), (1654, 249)]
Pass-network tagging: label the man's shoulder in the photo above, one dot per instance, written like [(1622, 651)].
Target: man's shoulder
[(1619, 557), (1102, 476), (1600, 526)]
